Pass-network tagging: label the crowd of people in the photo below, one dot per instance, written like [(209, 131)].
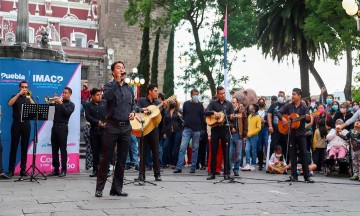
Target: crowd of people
[(214, 137)]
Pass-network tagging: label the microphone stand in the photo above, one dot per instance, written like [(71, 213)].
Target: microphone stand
[(141, 179), (227, 178)]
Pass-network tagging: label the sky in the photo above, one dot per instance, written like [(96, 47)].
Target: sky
[(266, 76)]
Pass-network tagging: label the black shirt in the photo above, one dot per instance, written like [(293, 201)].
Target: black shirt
[(217, 106), (301, 110), (95, 112), (17, 107), (194, 115), (171, 123), (273, 109), (120, 101), (63, 111), (145, 102)]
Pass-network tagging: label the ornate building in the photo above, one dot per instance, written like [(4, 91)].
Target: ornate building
[(92, 32)]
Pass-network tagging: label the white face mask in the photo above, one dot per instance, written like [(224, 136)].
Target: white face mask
[(280, 100), (278, 155), (343, 110)]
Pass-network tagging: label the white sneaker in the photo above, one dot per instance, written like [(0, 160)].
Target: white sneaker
[(253, 168), (247, 166)]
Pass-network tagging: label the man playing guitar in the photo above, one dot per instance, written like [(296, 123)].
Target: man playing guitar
[(298, 138), (219, 132)]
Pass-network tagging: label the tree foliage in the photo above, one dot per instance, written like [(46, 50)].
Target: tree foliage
[(155, 59), (169, 70)]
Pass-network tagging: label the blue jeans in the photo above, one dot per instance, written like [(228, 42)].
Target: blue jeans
[(134, 150), (263, 141), (161, 142), (171, 148), (251, 144), (235, 145), (188, 134)]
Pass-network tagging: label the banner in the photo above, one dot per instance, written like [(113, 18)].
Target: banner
[(45, 78)]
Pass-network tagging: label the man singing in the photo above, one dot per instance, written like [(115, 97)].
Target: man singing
[(95, 114), (298, 138), (220, 132), (120, 103), (59, 132), (19, 128)]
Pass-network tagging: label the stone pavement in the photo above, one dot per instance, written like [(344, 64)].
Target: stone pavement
[(182, 194)]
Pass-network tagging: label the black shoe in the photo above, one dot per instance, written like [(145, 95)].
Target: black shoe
[(158, 178), (23, 173), (98, 193), (309, 180), (212, 176), (118, 193), (127, 167), (53, 173), (260, 168), (192, 171), (94, 174), (136, 167), (293, 178), (4, 176), (177, 171), (62, 174), (202, 168), (10, 174), (236, 173), (227, 177)]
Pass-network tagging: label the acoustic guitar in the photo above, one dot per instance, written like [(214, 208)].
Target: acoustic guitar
[(295, 122), (213, 121), (151, 120)]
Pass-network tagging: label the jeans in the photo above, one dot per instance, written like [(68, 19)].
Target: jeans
[(251, 144), (161, 151), (235, 145), (262, 141), (171, 148), (186, 135), (134, 151)]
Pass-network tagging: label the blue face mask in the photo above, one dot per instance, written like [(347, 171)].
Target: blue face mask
[(328, 101), (195, 98), (350, 109), (335, 107)]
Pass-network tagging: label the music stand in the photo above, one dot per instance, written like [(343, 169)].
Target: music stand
[(34, 112), (227, 177), (141, 179)]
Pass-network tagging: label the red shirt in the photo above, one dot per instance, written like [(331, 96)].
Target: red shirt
[(85, 95)]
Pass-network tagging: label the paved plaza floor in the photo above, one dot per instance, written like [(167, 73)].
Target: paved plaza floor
[(183, 194)]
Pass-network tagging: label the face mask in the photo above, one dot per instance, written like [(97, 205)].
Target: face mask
[(321, 111), (335, 107), (261, 105), (195, 98), (328, 101), (343, 110), (278, 155), (355, 108), (350, 109), (280, 100), (250, 108)]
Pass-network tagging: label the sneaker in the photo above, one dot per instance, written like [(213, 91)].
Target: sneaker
[(354, 177), (246, 167), (309, 180), (177, 171), (192, 171), (253, 168), (236, 173)]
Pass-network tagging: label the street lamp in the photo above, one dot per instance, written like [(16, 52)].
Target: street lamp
[(350, 6), (134, 78)]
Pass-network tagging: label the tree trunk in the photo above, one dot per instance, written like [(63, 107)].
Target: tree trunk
[(203, 65), (349, 70), (316, 75), (304, 71)]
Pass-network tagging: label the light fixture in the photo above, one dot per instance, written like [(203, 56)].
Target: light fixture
[(142, 81), (134, 78), (350, 6)]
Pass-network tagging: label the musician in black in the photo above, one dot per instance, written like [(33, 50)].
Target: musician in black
[(151, 139), (95, 114), (59, 132), (19, 128), (298, 138), (120, 103), (220, 132)]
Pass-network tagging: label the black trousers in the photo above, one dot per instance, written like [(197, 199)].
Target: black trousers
[(278, 138), (1, 151), (319, 157), (59, 133), (19, 129), (152, 140), (219, 133), (299, 143), (96, 141), (203, 143), (114, 135)]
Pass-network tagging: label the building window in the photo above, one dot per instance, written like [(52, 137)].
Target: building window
[(65, 42), (80, 39), (31, 35), (84, 73)]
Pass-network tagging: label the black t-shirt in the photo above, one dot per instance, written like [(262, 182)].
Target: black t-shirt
[(273, 109), (17, 107), (301, 110)]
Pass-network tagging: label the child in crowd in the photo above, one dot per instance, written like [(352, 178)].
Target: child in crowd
[(277, 164), (337, 147), (319, 144), (355, 147)]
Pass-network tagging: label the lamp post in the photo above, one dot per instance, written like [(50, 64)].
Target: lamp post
[(135, 80)]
